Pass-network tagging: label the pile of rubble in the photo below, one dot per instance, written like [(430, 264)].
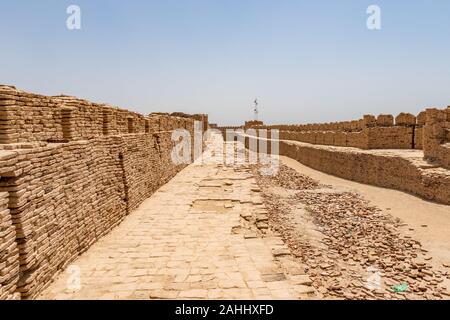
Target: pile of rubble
[(289, 178), (361, 253), (363, 236)]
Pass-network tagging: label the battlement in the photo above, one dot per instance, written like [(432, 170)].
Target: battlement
[(28, 117), (383, 132), (437, 136)]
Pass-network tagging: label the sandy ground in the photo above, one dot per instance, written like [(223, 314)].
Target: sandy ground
[(425, 221)]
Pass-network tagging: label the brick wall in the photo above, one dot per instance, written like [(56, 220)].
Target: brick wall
[(436, 136), (380, 169), (70, 174), (396, 137), (147, 165), (376, 169), (370, 132), (28, 117)]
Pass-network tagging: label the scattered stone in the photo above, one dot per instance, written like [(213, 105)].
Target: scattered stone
[(301, 280), (358, 241), (301, 289), (281, 252), (250, 236)]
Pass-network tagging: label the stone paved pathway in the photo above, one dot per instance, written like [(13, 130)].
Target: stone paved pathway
[(188, 241)]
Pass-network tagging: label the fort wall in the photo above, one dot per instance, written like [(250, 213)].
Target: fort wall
[(390, 169), (370, 132), (70, 171)]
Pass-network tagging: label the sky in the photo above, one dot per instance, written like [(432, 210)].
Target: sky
[(305, 61)]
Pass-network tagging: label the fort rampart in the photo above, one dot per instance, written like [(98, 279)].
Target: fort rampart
[(370, 132), (71, 170), (411, 154), (437, 136)]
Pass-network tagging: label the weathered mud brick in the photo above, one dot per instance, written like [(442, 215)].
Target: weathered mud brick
[(70, 171), (397, 137), (369, 132), (369, 120), (328, 138), (385, 120), (421, 118), (435, 138), (418, 138), (340, 139), (405, 119)]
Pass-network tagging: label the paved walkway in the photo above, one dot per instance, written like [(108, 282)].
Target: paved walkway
[(193, 238)]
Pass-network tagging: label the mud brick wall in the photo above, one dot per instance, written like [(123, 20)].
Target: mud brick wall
[(71, 175), (357, 139), (223, 129), (88, 120), (252, 123), (384, 134), (398, 137), (69, 195), (348, 126), (418, 130), (330, 138), (379, 169), (203, 118), (147, 165), (436, 136), (370, 132), (9, 254), (72, 194), (28, 117), (418, 138)]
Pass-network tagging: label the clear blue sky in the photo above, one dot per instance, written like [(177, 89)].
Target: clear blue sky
[(306, 61)]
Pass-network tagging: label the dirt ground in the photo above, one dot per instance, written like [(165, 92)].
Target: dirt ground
[(426, 221), (357, 241)]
